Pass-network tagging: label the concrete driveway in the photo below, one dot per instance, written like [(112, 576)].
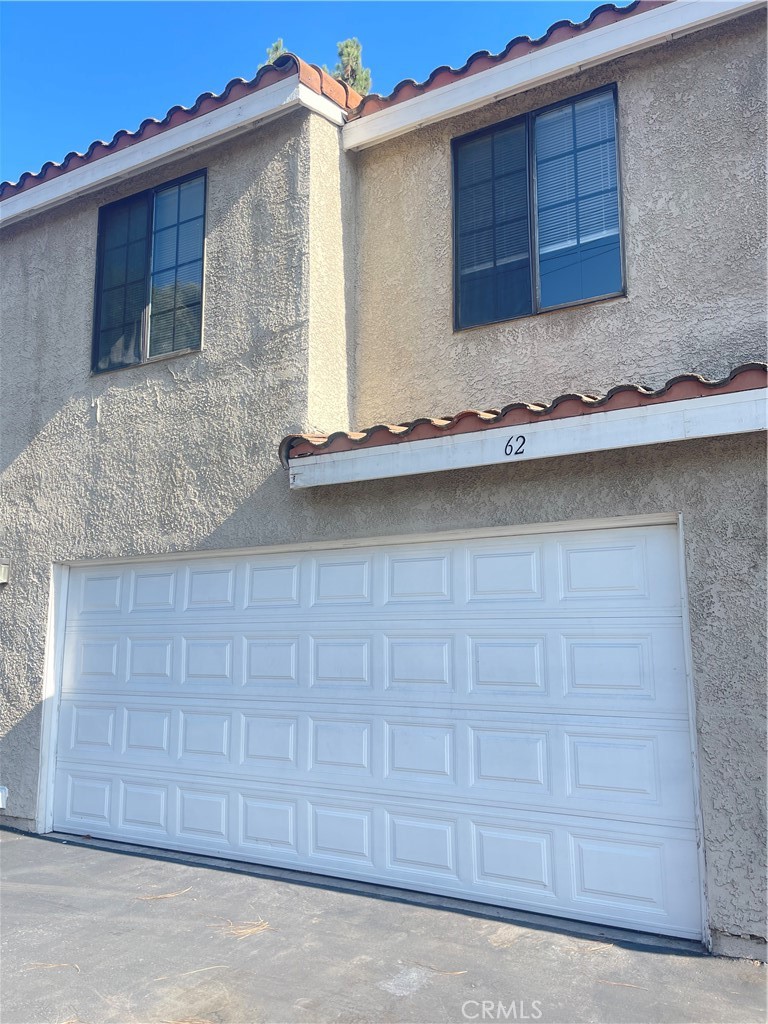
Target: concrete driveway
[(101, 933)]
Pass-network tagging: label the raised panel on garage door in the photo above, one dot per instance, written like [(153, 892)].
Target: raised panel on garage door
[(503, 719)]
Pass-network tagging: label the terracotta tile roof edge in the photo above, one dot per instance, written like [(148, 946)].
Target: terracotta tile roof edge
[(746, 377), (286, 65), (606, 14)]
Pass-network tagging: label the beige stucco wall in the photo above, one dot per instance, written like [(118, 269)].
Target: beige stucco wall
[(332, 248), (181, 455), (153, 457), (692, 157), (719, 486)]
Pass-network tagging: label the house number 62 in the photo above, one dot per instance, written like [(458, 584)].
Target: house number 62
[(515, 446)]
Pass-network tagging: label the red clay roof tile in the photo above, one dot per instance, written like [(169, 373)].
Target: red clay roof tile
[(607, 14), (625, 396), (286, 65)]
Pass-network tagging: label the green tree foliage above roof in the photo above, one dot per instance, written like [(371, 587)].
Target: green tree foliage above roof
[(349, 67), (273, 52)]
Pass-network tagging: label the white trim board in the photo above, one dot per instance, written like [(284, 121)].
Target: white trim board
[(713, 415), (692, 730), (54, 658), (586, 49), (343, 543), (222, 123)]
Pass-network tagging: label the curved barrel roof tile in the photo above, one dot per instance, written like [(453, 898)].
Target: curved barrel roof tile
[(285, 66), (520, 46), (624, 396)]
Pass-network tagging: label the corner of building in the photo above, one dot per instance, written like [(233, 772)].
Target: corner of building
[(332, 257), (742, 947)]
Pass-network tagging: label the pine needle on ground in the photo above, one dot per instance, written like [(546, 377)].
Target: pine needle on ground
[(188, 1020), (242, 929), (186, 974), (622, 984), (46, 967), (436, 970), (165, 895)]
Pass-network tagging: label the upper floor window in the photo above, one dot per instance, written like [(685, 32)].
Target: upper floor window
[(537, 219), (149, 278)]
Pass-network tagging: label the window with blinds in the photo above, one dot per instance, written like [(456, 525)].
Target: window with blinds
[(494, 265), (537, 220), (149, 283)]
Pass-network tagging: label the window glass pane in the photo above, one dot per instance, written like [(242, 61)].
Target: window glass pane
[(598, 217), (112, 307), (474, 161), (555, 181), (164, 248), (509, 150), (113, 266), (554, 132), (189, 284), (492, 222), (166, 207), (476, 251), (163, 291), (595, 119), (135, 297), (511, 198), (136, 268), (115, 226), (162, 333), (121, 283), (596, 168), (477, 294), (190, 240), (577, 205), (117, 348), (557, 228), (160, 237), (187, 328), (177, 267), (512, 242), (109, 342), (191, 199), (137, 228), (513, 284), (475, 207)]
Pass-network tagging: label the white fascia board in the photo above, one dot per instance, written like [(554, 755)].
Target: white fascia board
[(596, 46), (710, 416), (321, 105), (219, 124)]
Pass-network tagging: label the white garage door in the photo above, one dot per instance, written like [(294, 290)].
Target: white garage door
[(501, 719)]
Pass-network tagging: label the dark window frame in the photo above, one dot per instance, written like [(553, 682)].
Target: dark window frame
[(528, 120), (150, 194)]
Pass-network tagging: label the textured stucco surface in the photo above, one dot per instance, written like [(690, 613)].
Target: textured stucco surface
[(156, 454), (181, 455), (332, 248), (692, 157)]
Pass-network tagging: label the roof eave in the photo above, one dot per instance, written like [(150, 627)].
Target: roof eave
[(715, 415), (746, 377), (583, 49), (220, 124)]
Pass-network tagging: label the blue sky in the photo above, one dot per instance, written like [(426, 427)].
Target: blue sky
[(72, 72)]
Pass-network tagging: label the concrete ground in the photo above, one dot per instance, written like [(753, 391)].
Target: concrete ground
[(95, 933)]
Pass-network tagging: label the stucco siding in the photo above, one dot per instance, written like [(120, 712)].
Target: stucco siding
[(692, 147), (155, 457), (719, 486), (331, 184), (327, 305)]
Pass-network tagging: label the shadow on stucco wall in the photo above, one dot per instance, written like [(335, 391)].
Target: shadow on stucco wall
[(725, 545)]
